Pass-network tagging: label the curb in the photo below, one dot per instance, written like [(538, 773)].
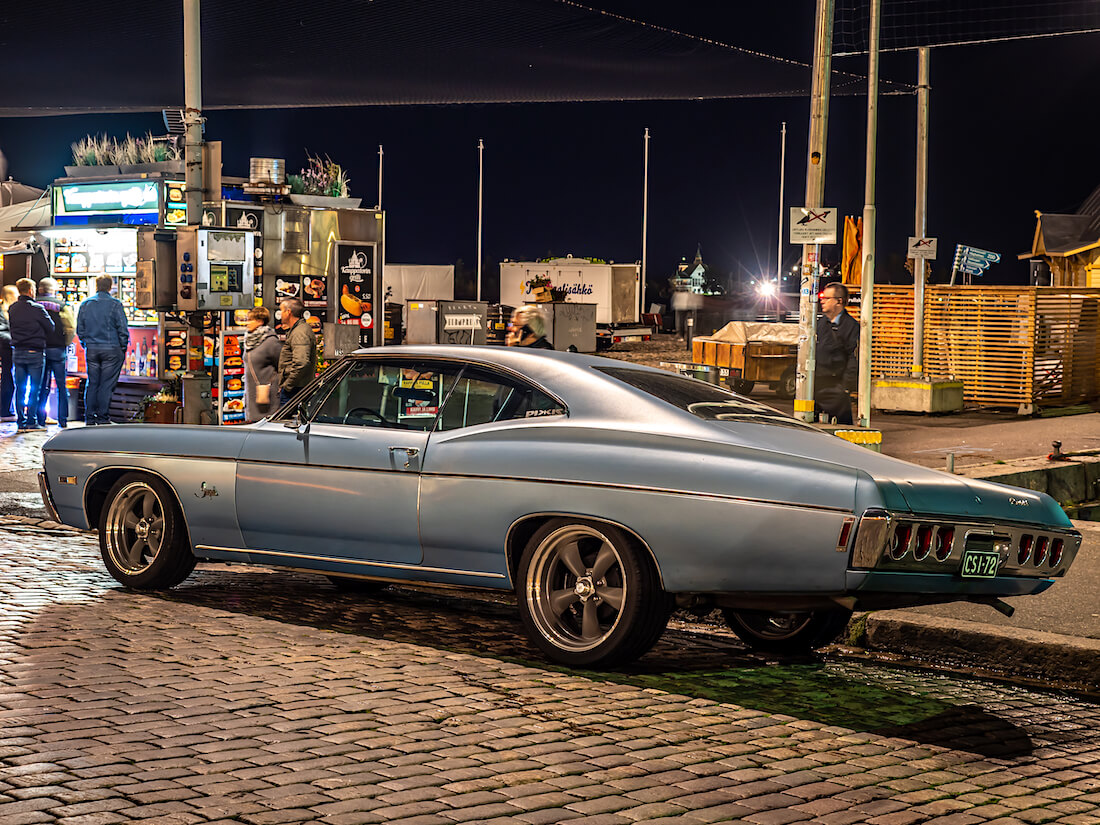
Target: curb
[(1064, 661)]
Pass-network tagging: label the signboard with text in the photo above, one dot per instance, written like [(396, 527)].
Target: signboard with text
[(812, 225), (356, 289), (922, 248)]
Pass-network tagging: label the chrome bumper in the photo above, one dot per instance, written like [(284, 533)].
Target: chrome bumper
[(47, 497)]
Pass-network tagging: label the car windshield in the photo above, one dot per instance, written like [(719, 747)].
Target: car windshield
[(699, 398)]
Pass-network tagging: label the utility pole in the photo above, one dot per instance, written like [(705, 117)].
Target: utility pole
[(867, 242), (921, 216), (192, 110), (379, 177), (815, 192), (782, 181), (480, 175), (645, 215)]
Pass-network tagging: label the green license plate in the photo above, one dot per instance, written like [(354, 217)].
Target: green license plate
[(979, 565)]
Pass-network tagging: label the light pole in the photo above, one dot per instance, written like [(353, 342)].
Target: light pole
[(782, 177), (379, 177), (480, 175), (867, 242), (815, 192), (645, 214)]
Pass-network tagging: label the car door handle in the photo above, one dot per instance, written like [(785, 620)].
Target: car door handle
[(408, 451)]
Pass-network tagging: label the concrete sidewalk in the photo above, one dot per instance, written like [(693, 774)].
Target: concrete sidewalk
[(1053, 637)]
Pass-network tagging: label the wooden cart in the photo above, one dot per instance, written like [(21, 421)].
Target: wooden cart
[(750, 362)]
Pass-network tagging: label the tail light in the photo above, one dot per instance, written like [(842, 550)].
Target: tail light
[(923, 544), (1041, 550), (944, 541), (1024, 551), (1056, 552), (845, 534), (899, 541)]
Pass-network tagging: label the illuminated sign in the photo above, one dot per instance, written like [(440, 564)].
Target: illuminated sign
[(108, 198)]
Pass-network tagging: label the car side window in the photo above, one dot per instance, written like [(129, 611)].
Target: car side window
[(388, 394), (480, 397)]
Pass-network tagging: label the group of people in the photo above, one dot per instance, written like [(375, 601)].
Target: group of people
[(36, 328), (275, 370)]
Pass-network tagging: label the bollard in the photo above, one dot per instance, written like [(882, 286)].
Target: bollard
[(689, 330), (950, 462)]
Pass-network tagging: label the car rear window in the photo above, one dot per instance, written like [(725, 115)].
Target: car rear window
[(699, 398)]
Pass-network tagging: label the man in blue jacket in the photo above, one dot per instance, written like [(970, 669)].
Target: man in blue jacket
[(103, 332), (29, 325)]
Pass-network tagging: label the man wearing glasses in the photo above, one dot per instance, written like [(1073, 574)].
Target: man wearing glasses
[(837, 362)]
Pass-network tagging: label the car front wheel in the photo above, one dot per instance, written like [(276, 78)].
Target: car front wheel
[(590, 595), (797, 632), (142, 537)]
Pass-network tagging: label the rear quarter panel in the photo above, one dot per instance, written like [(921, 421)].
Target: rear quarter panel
[(717, 517)]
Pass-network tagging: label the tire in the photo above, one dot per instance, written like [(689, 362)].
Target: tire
[(346, 584), (142, 536), (787, 385), (570, 577), (739, 385), (796, 632)]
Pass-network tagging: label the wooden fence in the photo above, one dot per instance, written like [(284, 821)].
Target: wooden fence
[(1010, 346)]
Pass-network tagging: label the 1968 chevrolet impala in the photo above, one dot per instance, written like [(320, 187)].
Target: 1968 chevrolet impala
[(602, 493)]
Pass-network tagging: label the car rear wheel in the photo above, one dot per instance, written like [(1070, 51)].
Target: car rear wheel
[(798, 632), (142, 536), (589, 595)]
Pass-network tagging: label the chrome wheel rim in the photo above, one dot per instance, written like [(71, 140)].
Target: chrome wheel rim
[(776, 626), (575, 588), (135, 528)]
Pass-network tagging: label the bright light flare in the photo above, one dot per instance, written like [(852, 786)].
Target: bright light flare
[(766, 289)]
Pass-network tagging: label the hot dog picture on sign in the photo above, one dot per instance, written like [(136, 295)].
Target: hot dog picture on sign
[(355, 288)]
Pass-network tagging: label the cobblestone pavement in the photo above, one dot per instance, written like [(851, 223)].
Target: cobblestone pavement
[(267, 697)]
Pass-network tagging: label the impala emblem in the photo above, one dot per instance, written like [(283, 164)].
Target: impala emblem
[(1018, 502), (206, 491)]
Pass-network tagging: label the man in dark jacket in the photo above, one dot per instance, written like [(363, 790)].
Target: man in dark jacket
[(8, 296), (57, 344), (298, 358), (837, 362), (29, 326), (104, 333)]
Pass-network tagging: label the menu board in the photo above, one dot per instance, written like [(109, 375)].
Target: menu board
[(356, 288), (230, 390)]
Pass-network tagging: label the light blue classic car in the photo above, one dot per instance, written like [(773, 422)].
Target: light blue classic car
[(603, 493)]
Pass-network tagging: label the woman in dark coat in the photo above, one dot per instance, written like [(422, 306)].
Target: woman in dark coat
[(261, 360)]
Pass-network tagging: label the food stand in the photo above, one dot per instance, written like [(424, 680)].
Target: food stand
[(187, 290), (96, 230)]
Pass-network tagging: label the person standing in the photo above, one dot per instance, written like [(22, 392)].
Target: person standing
[(837, 361), (527, 329), (57, 343), (30, 325), (298, 358), (102, 330), (261, 361), (8, 296)]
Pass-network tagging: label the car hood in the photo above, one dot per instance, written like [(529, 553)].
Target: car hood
[(902, 484)]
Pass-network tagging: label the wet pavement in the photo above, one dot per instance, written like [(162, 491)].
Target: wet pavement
[(260, 696)]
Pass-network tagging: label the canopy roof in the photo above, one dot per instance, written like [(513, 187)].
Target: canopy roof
[(352, 52)]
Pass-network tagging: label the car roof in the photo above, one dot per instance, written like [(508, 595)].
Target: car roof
[(574, 377)]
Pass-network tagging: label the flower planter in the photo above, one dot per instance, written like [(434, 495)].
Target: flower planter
[(161, 412), (326, 202), (164, 166), (90, 171)]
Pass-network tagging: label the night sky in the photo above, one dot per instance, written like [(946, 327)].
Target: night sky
[(1008, 136)]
